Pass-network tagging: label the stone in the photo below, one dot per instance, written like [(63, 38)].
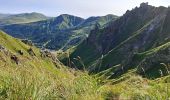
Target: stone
[(20, 52), (31, 52), (15, 59)]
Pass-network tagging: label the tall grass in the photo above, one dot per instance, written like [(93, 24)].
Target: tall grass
[(31, 83), (36, 78), (24, 83)]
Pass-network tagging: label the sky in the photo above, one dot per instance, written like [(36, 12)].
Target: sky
[(82, 8)]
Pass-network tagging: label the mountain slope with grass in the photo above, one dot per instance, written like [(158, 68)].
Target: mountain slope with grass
[(60, 32), (142, 29), (35, 74)]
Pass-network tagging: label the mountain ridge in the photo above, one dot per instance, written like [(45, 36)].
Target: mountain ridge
[(21, 18), (134, 32), (63, 31)]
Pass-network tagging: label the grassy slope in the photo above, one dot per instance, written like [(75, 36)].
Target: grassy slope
[(37, 78)]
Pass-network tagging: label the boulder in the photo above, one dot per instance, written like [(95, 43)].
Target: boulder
[(20, 52), (31, 52), (15, 59), (47, 53)]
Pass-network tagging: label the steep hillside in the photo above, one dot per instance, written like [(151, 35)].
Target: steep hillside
[(139, 30), (33, 74), (61, 32), (7, 19), (37, 75)]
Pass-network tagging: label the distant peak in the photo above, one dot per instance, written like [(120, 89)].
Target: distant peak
[(67, 15), (144, 4)]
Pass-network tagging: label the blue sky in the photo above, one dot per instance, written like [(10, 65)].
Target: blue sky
[(82, 8)]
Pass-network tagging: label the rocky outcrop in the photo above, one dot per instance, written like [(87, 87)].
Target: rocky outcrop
[(137, 31), (28, 42), (15, 59), (31, 52), (20, 52), (49, 54), (124, 27), (2, 48), (9, 54)]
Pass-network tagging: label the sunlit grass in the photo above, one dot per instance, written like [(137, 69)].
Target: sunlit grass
[(38, 78)]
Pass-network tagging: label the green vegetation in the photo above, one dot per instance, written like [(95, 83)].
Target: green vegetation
[(40, 78), (61, 32), (36, 77), (126, 58), (132, 41), (8, 19)]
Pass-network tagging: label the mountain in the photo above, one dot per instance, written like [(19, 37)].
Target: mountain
[(101, 20), (125, 41), (60, 32), (66, 21), (27, 72), (7, 19), (4, 15), (126, 58)]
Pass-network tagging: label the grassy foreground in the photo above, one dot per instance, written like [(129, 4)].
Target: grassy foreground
[(30, 83), (39, 78)]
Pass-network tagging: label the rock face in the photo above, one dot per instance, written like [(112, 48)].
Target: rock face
[(46, 53), (144, 5), (137, 31), (126, 26), (15, 59)]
